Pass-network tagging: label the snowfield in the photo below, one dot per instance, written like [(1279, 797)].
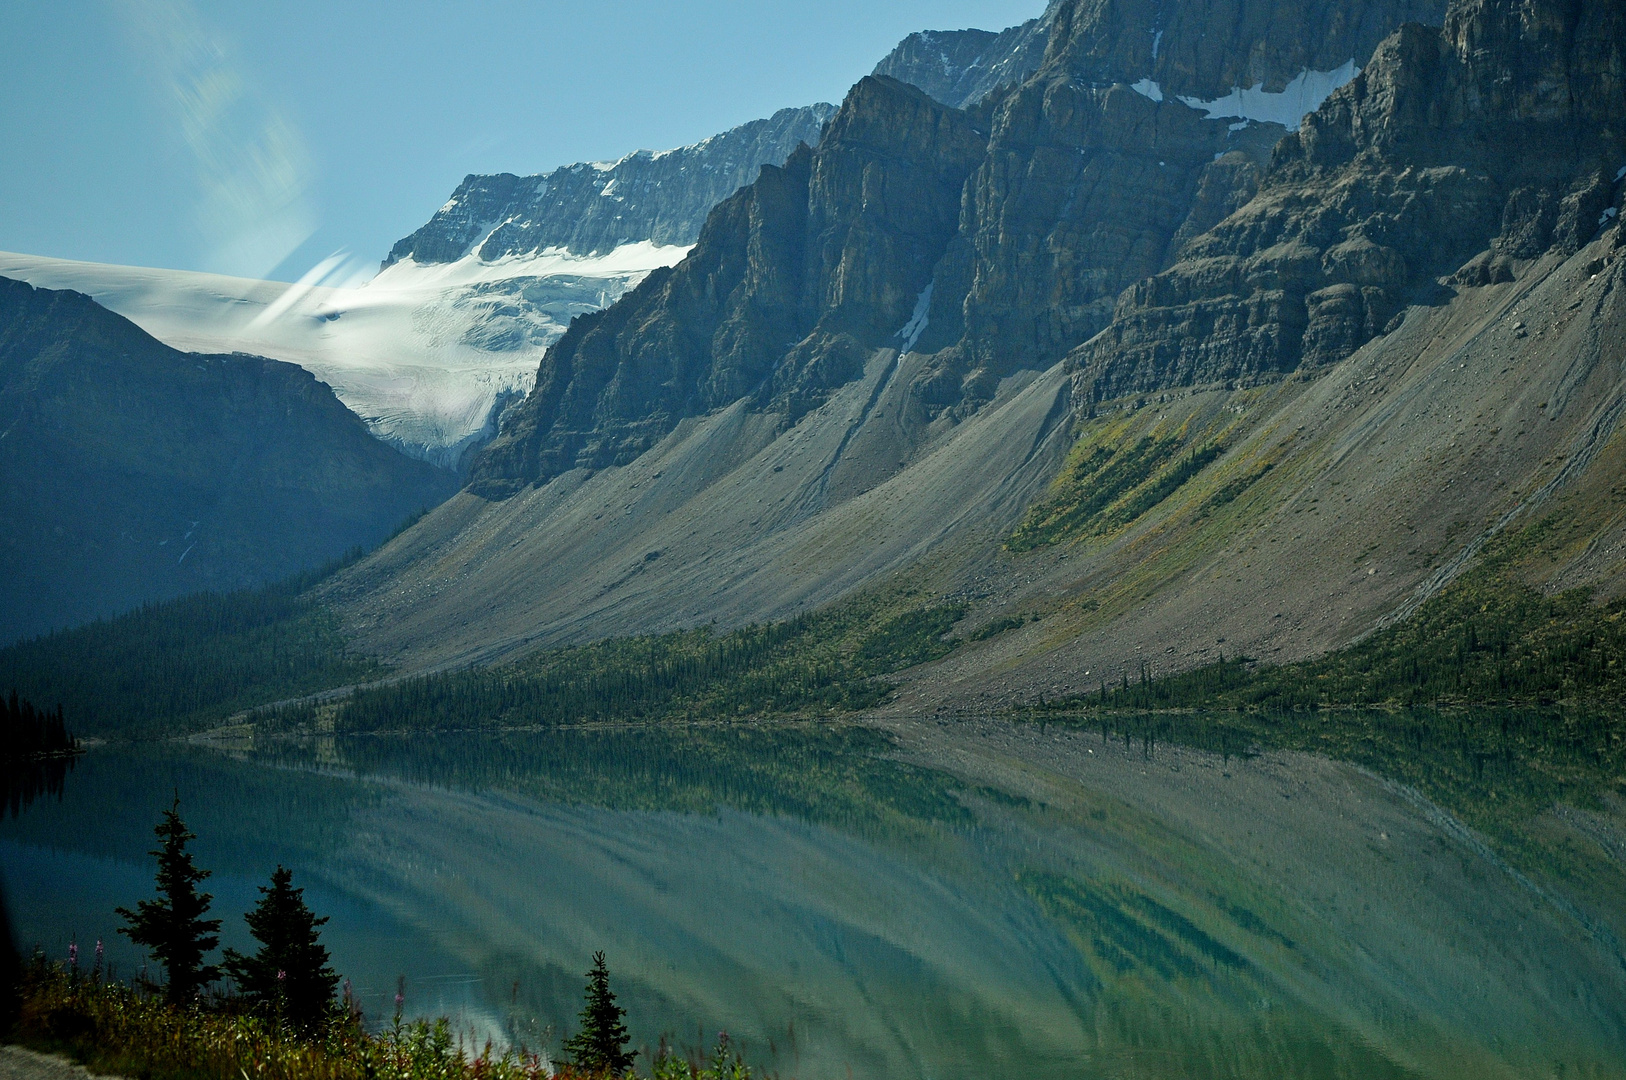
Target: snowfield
[(423, 353)]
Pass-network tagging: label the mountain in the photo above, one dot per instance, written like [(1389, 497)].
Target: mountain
[(132, 472), (433, 349), (592, 208), (427, 356), (961, 67), (829, 255), (1112, 347)]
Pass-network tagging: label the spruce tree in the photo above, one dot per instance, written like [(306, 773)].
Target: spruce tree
[(289, 976), (172, 927), (600, 1046)]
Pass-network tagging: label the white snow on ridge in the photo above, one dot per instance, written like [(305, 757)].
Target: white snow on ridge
[(422, 352), (1304, 94), (1148, 88)]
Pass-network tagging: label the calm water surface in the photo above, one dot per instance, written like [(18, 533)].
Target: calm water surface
[(847, 907)]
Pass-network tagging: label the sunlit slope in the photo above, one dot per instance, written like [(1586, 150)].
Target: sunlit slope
[(1276, 520), (732, 517), (1337, 499)]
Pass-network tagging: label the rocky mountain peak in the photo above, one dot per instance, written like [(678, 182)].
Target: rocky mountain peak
[(793, 281), (962, 67), (660, 197)]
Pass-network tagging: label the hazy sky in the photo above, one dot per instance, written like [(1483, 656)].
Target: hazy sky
[(257, 138)]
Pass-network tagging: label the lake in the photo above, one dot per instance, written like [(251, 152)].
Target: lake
[(947, 901)]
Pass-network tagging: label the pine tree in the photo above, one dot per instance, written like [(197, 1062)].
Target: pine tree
[(289, 976), (173, 927), (600, 1046)]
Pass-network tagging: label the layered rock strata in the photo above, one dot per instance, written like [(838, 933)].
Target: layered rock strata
[(1499, 136)]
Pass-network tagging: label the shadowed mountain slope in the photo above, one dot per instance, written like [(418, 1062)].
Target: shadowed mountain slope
[(130, 472)]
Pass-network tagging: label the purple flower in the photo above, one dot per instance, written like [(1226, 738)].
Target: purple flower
[(281, 975), (73, 954)]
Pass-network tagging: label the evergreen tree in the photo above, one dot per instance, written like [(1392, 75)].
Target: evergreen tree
[(289, 976), (173, 927), (600, 1046)]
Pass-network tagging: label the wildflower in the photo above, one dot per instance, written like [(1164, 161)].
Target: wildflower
[(73, 955)]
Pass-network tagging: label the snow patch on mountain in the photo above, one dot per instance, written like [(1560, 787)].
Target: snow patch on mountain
[(1303, 94)]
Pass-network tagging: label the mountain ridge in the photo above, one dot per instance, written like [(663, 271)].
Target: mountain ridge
[(133, 472)]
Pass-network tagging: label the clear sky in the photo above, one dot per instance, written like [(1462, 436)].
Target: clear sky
[(256, 138)]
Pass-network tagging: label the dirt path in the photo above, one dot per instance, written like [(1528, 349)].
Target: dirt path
[(17, 1063)]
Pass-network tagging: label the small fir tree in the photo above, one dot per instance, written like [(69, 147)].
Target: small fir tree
[(172, 927), (289, 976), (600, 1046)]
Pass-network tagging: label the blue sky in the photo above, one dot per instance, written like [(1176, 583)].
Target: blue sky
[(258, 138)]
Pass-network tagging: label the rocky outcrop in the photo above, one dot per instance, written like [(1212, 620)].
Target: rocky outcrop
[(593, 207), (1098, 162), (1500, 134), (131, 472), (1139, 132), (961, 67), (793, 281)]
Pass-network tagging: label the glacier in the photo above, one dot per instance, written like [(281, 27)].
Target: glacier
[(425, 354)]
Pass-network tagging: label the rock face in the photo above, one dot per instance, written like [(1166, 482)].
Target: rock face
[(1498, 136), (1025, 214), (131, 472), (1097, 164), (961, 67), (793, 282), (594, 207)]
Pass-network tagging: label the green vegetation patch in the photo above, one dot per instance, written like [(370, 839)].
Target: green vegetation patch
[(1111, 479), (185, 664), (820, 664), (1486, 639), (1494, 700)]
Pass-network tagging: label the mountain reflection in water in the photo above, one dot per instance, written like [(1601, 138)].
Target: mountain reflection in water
[(1023, 901)]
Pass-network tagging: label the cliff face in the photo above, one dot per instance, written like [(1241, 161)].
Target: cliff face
[(132, 472), (590, 208), (1492, 140), (961, 67), (792, 282), (1026, 214), (1144, 119)]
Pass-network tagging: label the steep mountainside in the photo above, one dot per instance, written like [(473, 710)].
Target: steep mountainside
[(594, 207), (760, 498), (1078, 185), (1342, 370), (131, 472), (1400, 179), (827, 258), (961, 67)]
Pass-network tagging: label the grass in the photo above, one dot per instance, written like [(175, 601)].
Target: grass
[(128, 1030)]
